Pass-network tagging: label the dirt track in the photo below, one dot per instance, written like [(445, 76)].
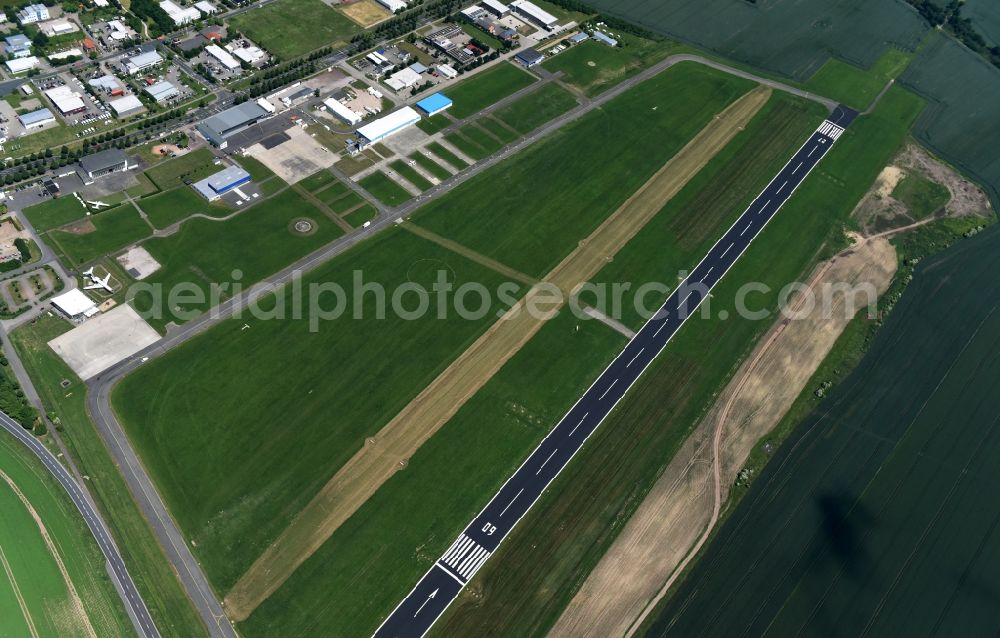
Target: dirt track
[(677, 516), (389, 450)]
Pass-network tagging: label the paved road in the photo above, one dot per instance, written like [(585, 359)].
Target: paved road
[(141, 619), (415, 615), (166, 529)]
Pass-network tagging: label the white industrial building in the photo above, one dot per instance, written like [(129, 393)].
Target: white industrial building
[(20, 65), (206, 8), (387, 126), (36, 119), (126, 106), (143, 61), (58, 27), (66, 99), (250, 54), (393, 5), (447, 71), (343, 112), (68, 53), (223, 57), (496, 7), (535, 13), (75, 304), (403, 79), (265, 104), (162, 91), (118, 31), (180, 15)]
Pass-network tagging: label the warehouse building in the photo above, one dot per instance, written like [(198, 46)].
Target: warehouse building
[(223, 57), (58, 27), (341, 111), (534, 13), (403, 79), (107, 83), (20, 65), (162, 91), (605, 39), (36, 119), (447, 71), (218, 128), (75, 305), (214, 187), (113, 160), (66, 100), (387, 126), (180, 15), (529, 57), (143, 61), (577, 38), (434, 104), (497, 8), (206, 8), (249, 54), (125, 106), (393, 5)]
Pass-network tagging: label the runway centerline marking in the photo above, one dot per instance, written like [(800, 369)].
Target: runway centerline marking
[(578, 424), (812, 151), (504, 510), (553, 454), (643, 349), (601, 398), (746, 229), (797, 168), (726, 250)]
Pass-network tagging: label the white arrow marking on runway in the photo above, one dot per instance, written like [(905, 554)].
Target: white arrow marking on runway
[(421, 608)]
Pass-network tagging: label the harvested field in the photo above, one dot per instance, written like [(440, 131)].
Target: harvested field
[(365, 12), (399, 439), (682, 507)]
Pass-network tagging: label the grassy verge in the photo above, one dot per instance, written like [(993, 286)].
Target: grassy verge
[(454, 160), (531, 111), (485, 88), (54, 213), (112, 230), (384, 189), (411, 175), (594, 68), (854, 86), (167, 602), (430, 166), (176, 204)]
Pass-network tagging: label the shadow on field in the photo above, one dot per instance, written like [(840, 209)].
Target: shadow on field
[(844, 523)]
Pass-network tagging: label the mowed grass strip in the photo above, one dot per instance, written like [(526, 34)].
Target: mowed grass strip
[(384, 189), (538, 568), (593, 67), (56, 569), (290, 28), (101, 234), (361, 215), (589, 167), (431, 166), (433, 124), (172, 611), (192, 166), (474, 94), (411, 175), (54, 213), (468, 147), (176, 204), (279, 431), (258, 242), (439, 150), (317, 181), (531, 111)]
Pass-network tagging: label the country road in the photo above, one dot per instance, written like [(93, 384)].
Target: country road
[(134, 604), (98, 399)]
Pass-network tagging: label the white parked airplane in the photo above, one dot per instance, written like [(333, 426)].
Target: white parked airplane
[(100, 283), (98, 205)]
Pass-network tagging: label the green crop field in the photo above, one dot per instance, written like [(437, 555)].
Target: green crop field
[(258, 242), (593, 67), (963, 94), (225, 408), (410, 174), (429, 165), (191, 166), (35, 598), (114, 229), (290, 28), (384, 189), (985, 15), (921, 195), (854, 86), (538, 568), (379, 553), (170, 607), (169, 207), (589, 167), (791, 37), (879, 514), (485, 88), (454, 160), (54, 213), (531, 111)]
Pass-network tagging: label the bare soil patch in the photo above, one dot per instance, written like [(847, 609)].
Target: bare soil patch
[(365, 12), (390, 449), (674, 520)]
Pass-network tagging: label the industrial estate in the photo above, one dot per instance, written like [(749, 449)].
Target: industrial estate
[(534, 318)]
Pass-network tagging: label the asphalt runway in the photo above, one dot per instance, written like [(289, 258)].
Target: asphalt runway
[(442, 583), (134, 604)]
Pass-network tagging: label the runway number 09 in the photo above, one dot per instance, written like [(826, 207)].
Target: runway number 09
[(488, 529)]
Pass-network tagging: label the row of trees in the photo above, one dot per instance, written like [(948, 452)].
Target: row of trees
[(950, 18)]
